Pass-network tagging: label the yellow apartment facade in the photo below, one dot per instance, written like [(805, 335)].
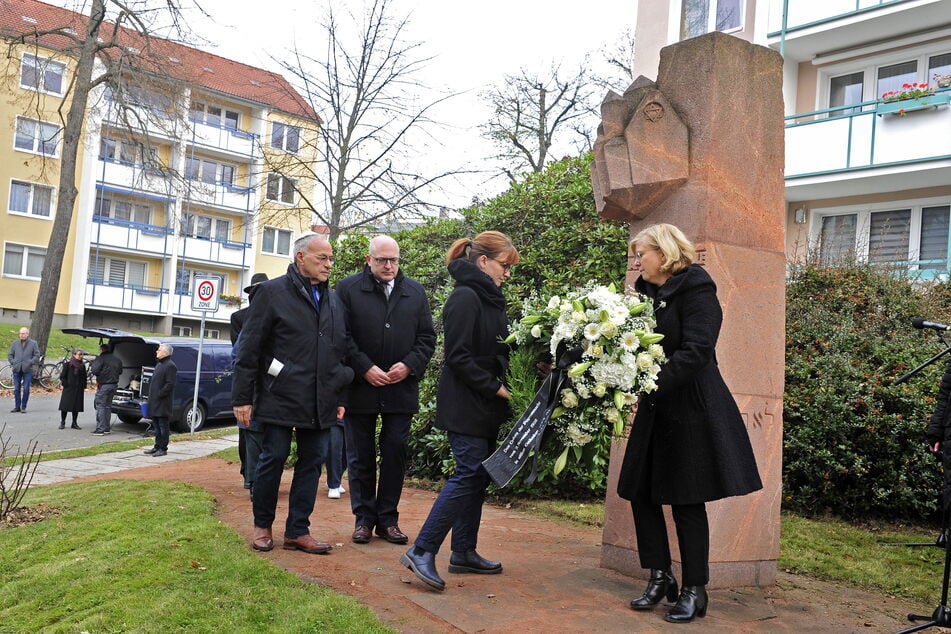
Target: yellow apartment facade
[(190, 189)]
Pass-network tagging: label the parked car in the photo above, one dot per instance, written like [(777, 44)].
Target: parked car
[(137, 354)]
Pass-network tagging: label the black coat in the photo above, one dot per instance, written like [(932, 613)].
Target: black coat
[(385, 332), (284, 327), (238, 318), (162, 387), (476, 360), (689, 431), (73, 381)]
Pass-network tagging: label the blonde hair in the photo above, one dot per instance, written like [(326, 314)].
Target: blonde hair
[(679, 252), (492, 244)]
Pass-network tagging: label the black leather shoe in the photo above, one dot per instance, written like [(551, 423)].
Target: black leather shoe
[(662, 583), (691, 603), (158, 453), (62, 426), (424, 567), (471, 561), (149, 452), (75, 426)]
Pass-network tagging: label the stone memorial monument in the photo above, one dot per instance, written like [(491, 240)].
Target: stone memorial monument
[(702, 148)]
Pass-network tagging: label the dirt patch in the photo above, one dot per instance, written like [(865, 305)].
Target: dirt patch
[(24, 515)]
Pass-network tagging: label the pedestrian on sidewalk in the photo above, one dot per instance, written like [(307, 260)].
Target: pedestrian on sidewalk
[(391, 326), (472, 402), (161, 389), (73, 381), (290, 377), (108, 368), (24, 354)]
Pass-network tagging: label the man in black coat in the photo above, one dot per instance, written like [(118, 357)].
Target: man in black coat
[(391, 325), (290, 365), (108, 368), (161, 389)]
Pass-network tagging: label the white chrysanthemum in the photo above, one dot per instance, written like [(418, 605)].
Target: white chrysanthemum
[(576, 435), (592, 332), (554, 303)]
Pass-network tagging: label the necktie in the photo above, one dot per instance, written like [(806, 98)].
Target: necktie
[(386, 289), (316, 297)]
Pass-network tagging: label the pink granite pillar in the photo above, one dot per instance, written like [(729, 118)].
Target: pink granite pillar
[(728, 93)]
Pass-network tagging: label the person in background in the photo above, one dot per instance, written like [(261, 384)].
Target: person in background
[(688, 444), (290, 377), (73, 381), (24, 354), (161, 389), (336, 460), (472, 402), (391, 325), (250, 437), (108, 368)]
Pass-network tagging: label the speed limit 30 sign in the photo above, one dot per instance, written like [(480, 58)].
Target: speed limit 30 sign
[(205, 293)]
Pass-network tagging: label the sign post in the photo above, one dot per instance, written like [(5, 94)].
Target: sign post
[(204, 298)]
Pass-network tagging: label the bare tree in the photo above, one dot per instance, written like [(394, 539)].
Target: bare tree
[(369, 170), (112, 47), (531, 112)]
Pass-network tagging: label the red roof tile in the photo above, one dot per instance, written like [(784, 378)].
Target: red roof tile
[(197, 67)]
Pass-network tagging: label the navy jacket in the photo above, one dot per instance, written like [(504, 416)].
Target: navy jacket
[(386, 331), (162, 387)]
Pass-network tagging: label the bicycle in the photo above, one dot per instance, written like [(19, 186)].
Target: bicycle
[(49, 373), (6, 374)]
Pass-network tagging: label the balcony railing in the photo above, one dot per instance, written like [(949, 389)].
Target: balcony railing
[(154, 120), (134, 177), (223, 252), (860, 137), (142, 299), (125, 234), (223, 138), (802, 15), (220, 194)]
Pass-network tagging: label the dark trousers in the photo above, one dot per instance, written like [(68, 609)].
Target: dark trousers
[(249, 449), (21, 388), (373, 503), (160, 423), (693, 536), (336, 453), (459, 505), (103, 404), (274, 452)]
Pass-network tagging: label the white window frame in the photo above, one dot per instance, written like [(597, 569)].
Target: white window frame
[(207, 117), (282, 129), (31, 202), (286, 187), (863, 215), (28, 249), (711, 27), (277, 231), (129, 269), (216, 226), (192, 274), (217, 174), (43, 66), (106, 207), (37, 142)]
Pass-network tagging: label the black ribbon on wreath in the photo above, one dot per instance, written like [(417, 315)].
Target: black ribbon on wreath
[(525, 439)]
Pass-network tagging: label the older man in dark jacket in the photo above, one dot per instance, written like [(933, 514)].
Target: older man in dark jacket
[(391, 326), (161, 390), (290, 362)]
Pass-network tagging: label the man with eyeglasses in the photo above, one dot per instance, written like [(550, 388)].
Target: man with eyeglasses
[(393, 339), (289, 368)]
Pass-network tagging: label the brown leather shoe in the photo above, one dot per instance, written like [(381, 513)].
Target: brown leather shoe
[(308, 544), (392, 534), (261, 539), (362, 535)]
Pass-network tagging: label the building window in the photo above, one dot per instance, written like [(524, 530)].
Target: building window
[(846, 90), (127, 152), (31, 199), (117, 272), (935, 227), (893, 77), (20, 260), (939, 65), (280, 188), (207, 227), (123, 209), (210, 172), (285, 137), (698, 17), (200, 112), (185, 278), (42, 74), (889, 236), (36, 136), (276, 241)]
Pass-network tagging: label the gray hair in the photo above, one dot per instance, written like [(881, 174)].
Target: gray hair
[(301, 243), (167, 347)]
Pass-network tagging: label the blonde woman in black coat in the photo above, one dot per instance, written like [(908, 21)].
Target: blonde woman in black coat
[(73, 381), (471, 403), (688, 444)]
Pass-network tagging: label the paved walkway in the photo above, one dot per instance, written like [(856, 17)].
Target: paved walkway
[(552, 582)]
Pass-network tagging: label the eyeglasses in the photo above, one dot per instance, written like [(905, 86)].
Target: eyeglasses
[(506, 266), (639, 255), (384, 261), (324, 259)]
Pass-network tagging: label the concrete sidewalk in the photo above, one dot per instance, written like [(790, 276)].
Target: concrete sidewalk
[(55, 471)]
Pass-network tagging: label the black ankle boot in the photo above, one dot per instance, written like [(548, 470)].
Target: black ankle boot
[(471, 561), (662, 583), (691, 603)]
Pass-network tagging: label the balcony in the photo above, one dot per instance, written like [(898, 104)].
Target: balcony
[(182, 307), (224, 253), (135, 236), (864, 149), (103, 295), (133, 177), (814, 28), (223, 139), (219, 194), (154, 122)]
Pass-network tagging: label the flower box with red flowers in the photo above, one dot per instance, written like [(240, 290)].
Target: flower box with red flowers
[(910, 98)]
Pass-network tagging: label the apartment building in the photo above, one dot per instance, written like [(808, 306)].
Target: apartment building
[(197, 173), (866, 175)]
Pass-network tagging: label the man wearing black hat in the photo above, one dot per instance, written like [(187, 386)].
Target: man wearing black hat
[(251, 437)]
